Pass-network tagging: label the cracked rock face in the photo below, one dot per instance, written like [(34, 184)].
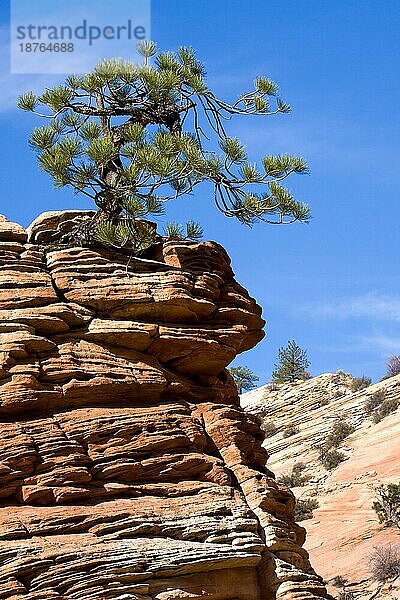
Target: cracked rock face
[(127, 468)]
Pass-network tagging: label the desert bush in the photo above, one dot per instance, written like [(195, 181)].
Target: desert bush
[(304, 508), (346, 595), (388, 406), (393, 366), (360, 383), (323, 401), (387, 504), (330, 459), (339, 432), (295, 477), (374, 400), (290, 430), (338, 581), (378, 406), (270, 429), (384, 562)]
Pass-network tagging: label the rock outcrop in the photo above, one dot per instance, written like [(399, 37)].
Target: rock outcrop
[(344, 530), (128, 469)]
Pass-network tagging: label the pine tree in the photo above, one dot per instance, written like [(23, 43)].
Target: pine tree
[(387, 506), (292, 363), (132, 137), (244, 378)]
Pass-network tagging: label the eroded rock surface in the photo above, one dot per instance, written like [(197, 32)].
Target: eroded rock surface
[(127, 468), (344, 529)]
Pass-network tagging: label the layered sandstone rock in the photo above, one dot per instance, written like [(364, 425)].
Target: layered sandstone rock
[(344, 530), (127, 468)]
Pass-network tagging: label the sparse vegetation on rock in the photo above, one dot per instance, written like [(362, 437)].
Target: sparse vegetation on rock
[(331, 459), (292, 363), (393, 366), (378, 406), (244, 378), (338, 581), (374, 401), (305, 507), (290, 430), (339, 432), (388, 406), (342, 582), (360, 383), (270, 429), (329, 456), (296, 477), (346, 519), (384, 562), (323, 401), (387, 504)]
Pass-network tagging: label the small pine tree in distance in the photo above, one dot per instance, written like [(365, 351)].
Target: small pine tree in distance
[(387, 504), (244, 378), (133, 136), (292, 363)]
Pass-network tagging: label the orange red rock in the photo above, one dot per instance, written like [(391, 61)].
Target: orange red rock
[(127, 467)]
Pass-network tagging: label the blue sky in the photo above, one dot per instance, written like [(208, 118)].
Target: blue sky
[(332, 285)]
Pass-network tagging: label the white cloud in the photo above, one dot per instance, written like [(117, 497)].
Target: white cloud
[(371, 305), (381, 343)]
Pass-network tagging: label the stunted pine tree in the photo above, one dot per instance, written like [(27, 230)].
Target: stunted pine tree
[(244, 378), (387, 504), (132, 137), (292, 363)]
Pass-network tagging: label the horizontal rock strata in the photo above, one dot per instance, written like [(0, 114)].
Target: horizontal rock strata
[(127, 468)]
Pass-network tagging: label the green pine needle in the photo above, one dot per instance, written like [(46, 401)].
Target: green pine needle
[(27, 101), (134, 136)]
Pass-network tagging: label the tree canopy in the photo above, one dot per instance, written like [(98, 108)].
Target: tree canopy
[(292, 363), (133, 137), (244, 378)]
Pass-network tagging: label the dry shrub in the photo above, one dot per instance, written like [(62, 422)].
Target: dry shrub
[(295, 478), (393, 366), (339, 432), (290, 430), (384, 562), (388, 406), (270, 429), (360, 383), (330, 459), (304, 508)]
